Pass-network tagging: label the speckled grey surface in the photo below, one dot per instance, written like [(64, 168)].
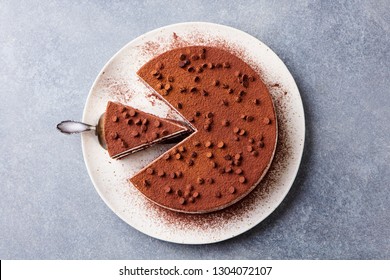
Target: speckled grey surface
[(339, 54)]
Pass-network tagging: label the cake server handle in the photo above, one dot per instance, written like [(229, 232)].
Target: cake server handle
[(71, 127)]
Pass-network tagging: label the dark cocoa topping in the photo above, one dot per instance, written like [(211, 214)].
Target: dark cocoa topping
[(241, 93), (179, 105), (227, 157)]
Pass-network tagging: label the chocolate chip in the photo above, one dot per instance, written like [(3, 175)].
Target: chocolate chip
[(205, 93), (226, 65), (242, 179), (182, 63), (187, 194), (237, 162), (178, 156), (138, 122), (209, 154), (224, 102), (204, 65), (266, 120), (182, 149), (238, 99), (191, 69), (159, 76), (135, 134), (115, 118), (221, 144), (159, 66), (245, 80), (208, 144), (227, 157), (133, 113), (179, 105), (182, 56), (261, 144), (210, 181), (241, 93), (190, 162), (249, 148), (157, 123), (193, 89), (182, 200), (216, 83), (225, 122), (203, 50), (167, 156), (232, 190), (256, 101), (150, 171), (146, 183), (114, 135), (179, 193), (238, 171), (123, 144), (161, 173), (196, 79), (168, 87), (200, 181), (197, 113), (168, 189), (130, 121)]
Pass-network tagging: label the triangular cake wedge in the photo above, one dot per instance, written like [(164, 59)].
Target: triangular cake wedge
[(232, 113), (128, 130)]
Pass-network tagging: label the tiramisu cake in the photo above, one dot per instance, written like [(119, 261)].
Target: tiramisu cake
[(128, 130), (235, 125)]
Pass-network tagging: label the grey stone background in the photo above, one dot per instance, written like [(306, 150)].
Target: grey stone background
[(339, 54)]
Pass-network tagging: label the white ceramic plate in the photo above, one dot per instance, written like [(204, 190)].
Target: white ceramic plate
[(118, 81)]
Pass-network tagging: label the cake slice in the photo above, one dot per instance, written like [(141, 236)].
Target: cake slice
[(128, 130)]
